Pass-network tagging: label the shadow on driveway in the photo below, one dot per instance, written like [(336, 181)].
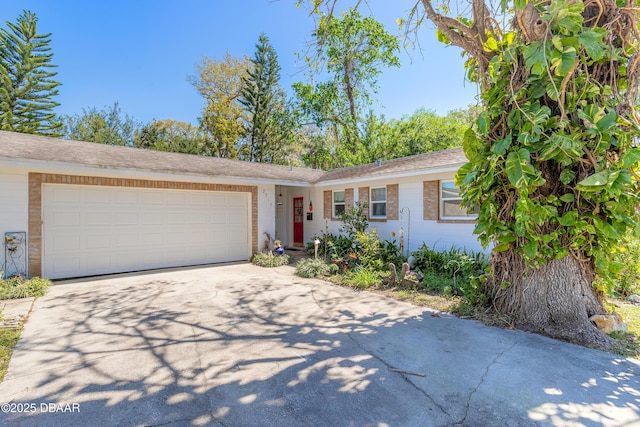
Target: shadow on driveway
[(238, 345)]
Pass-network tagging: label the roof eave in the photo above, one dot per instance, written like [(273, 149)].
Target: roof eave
[(57, 167), (396, 175)]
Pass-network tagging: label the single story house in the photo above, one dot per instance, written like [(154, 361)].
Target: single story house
[(72, 208)]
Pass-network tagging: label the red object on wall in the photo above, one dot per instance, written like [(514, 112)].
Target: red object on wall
[(298, 222)]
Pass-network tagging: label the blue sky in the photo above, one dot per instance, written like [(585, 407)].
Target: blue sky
[(140, 52)]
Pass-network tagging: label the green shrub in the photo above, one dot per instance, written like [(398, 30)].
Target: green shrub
[(354, 220), (269, 260), (362, 277), (17, 287), (313, 267), (454, 272), (390, 253), (454, 262), (331, 247), (366, 251), (356, 247)]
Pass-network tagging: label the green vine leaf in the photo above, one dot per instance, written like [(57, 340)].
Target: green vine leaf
[(595, 182), (518, 169)]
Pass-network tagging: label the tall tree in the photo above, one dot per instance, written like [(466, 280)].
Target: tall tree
[(552, 157), (425, 131), (223, 116), (353, 50), (106, 126), (171, 135), (261, 96), (28, 88)]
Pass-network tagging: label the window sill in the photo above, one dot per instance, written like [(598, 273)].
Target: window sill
[(457, 221), (377, 219)]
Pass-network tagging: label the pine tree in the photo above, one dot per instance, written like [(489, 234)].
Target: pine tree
[(28, 88), (261, 97)]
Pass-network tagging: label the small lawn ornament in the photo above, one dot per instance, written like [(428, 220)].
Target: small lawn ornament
[(266, 247), (277, 248)]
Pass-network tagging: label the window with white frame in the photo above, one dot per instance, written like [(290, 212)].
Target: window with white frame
[(378, 202), (338, 204), (451, 203)]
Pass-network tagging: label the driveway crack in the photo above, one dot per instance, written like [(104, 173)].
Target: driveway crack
[(384, 362), (482, 379)]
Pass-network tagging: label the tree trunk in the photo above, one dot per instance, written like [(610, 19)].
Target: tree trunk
[(555, 299)]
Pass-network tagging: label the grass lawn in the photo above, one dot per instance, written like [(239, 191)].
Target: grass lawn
[(8, 339), (11, 288), (628, 342)]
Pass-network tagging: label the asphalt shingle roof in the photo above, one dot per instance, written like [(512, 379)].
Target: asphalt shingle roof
[(419, 162), (32, 147), (23, 146)]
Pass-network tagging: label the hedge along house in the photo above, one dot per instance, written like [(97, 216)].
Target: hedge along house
[(71, 209)]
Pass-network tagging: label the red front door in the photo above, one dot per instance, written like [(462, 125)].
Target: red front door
[(298, 224)]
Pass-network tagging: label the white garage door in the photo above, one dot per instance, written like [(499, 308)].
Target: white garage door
[(90, 230)]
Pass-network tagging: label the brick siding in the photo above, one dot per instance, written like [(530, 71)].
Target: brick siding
[(392, 202), (328, 204), (430, 196)]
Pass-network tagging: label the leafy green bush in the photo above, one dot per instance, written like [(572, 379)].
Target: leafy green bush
[(17, 287), (366, 251), (269, 260), (454, 262), (390, 253), (313, 267), (454, 272), (354, 220), (362, 277), (331, 247)]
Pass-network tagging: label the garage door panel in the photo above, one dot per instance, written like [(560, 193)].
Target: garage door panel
[(235, 216), (153, 198), (64, 266), (198, 218), (97, 230), (100, 218), (151, 218), (66, 242), (98, 241), (151, 239), (126, 218), (176, 218), (98, 196), (65, 195), (66, 219), (125, 197), (200, 199), (176, 198)]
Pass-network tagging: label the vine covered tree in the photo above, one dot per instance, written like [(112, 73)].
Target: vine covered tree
[(28, 87), (552, 156)]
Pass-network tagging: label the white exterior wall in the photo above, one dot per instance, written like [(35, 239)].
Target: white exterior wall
[(14, 204), (266, 209), (440, 235)]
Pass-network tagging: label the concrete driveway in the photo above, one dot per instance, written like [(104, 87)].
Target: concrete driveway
[(239, 345)]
